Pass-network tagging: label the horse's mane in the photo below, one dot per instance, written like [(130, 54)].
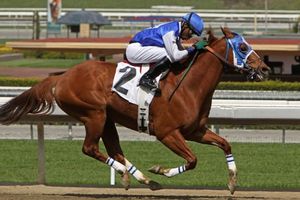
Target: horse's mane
[(211, 37), (177, 67)]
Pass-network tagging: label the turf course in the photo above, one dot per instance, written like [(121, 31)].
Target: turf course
[(263, 166)]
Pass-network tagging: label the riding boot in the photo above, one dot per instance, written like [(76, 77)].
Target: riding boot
[(147, 80)]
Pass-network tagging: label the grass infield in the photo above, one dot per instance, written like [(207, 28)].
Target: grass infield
[(263, 166)]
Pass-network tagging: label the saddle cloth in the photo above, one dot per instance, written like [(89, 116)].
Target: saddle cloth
[(126, 80)]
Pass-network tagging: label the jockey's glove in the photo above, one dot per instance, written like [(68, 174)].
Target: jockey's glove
[(191, 50), (200, 45)]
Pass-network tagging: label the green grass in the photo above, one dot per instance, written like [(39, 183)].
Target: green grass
[(264, 166), (264, 85), (212, 4), (41, 63)]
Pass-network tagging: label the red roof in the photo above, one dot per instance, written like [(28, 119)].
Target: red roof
[(112, 40), (283, 41)]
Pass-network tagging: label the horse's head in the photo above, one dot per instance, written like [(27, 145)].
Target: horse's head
[(245, 60)]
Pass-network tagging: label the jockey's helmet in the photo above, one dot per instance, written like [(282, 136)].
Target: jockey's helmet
[(195, 22)]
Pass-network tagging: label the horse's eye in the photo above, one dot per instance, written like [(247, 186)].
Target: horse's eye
[(243, 48)]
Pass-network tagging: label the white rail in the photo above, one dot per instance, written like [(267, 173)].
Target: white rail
[(121, 17), (228, 106)]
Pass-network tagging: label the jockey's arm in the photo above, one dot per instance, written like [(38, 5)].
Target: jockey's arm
[(172, 48)]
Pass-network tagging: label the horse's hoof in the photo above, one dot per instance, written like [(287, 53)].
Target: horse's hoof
[(232, 181), (155, 169), (231, 188), (125, 181), (154, 185)]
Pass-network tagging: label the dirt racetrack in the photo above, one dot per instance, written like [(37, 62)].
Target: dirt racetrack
[(41, 192)]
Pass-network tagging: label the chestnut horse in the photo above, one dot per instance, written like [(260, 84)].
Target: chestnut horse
[(85, 93)]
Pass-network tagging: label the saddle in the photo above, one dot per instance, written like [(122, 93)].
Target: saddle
[(125, 84)]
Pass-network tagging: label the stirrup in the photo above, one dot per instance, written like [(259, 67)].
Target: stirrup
[(147, 85), (147, 82), (155, 90)]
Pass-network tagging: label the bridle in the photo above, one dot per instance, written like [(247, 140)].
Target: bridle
[(251, 73)]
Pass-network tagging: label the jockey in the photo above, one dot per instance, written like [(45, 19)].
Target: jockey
[(162, 45)]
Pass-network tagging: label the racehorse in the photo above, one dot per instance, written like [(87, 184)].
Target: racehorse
[(85, 93)]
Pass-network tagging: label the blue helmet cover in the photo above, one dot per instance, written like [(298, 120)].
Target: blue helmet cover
[(240, 58), (195, 22)]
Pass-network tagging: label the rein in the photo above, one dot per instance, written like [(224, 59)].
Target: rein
[(221, 58), (184, 74), (211, 50), (251, 72)]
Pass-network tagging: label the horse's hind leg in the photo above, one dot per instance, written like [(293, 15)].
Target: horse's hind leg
[(111, 141), (94, 125), (209, 137)]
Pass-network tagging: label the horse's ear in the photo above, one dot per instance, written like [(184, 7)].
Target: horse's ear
[(227, 32), (211, 36)]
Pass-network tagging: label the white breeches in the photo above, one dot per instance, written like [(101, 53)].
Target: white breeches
[(136, 53)]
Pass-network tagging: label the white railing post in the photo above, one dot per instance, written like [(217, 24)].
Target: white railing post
[(41, 154), (31, 132), (283, 136), (112, 176), (70, 136)]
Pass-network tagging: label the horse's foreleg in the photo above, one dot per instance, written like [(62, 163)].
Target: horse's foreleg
[(138, 175), (209, 137), (111, 141), (175, 142)]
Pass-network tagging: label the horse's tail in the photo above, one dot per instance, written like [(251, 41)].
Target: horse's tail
[(38, 99)]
